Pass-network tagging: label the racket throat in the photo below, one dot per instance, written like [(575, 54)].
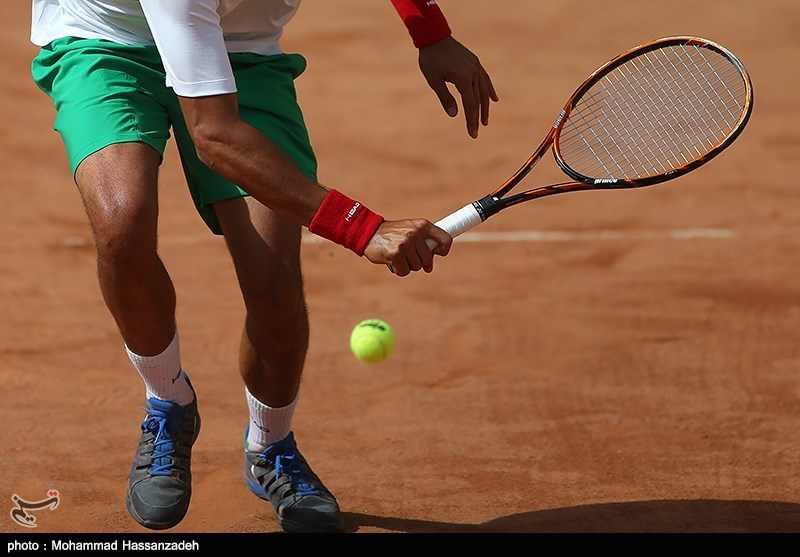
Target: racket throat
[(487, 206)]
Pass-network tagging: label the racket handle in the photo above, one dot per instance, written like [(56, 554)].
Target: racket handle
[(457, 223)]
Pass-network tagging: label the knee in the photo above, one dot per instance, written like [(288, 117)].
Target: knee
[(278, 311), (125, 233), (119, 189)]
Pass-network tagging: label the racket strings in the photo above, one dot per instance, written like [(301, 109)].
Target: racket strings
[(635, 136), (683, 121), (641, 153), (673, 117), (655, 113)]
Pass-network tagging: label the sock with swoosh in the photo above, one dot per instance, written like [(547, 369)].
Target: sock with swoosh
[(162, 374), (267, 424)]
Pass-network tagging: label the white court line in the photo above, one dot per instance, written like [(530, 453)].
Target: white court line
[(584, 235), (531, 236)]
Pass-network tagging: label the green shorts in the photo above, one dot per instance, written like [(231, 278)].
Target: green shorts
[(106, 93)]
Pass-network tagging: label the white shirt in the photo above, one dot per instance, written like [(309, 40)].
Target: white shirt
[(193, 37)]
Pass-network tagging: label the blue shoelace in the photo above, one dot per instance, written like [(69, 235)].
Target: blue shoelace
[(289, 465), (163, 445)]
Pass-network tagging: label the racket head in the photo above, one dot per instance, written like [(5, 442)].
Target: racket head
[(653, 113)]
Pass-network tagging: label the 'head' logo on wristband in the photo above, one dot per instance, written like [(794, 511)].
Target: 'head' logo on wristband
[(352, 211)]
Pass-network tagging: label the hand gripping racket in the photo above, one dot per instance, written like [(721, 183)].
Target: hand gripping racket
[(653, 113)]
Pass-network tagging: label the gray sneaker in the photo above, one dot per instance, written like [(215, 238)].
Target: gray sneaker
[(282, 476), (160, 483)]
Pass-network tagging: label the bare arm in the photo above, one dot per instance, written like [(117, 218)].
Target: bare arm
[(242, 154), (444, 60), (190, 39), (246, 157)]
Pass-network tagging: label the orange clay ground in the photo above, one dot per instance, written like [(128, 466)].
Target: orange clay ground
[(630, 364)]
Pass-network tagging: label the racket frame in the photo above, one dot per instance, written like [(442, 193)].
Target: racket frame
[(499, 198)]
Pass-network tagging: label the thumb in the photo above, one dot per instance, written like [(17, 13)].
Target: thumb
[(445, 97), (439, 240)]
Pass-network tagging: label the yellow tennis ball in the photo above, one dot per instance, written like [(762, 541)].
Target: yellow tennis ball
[(372, 341)]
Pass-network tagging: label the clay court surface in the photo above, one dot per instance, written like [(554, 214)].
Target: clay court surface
[(623, 362)]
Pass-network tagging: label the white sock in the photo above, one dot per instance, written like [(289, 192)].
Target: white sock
[(162, 374), (267, 425)]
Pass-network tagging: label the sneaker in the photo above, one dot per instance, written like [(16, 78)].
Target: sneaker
[(160, 483), (282, 476)]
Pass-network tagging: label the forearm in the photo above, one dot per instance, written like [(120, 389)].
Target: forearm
[(249, 159), (242, 154)]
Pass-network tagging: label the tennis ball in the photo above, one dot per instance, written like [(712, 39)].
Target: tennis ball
[(372, 341)]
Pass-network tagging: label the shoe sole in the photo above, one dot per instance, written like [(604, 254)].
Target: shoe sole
[(289, 525), (148, 524)]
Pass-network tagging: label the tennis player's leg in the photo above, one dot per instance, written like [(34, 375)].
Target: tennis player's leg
[(119, 186), (265, 250), (266, 253), (115, 163)]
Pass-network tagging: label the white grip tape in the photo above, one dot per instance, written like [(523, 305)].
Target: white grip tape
[(457, 223)]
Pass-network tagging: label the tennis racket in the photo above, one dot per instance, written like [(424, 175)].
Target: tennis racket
[(653, 113)]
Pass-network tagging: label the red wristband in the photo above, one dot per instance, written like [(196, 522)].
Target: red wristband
[(424, 20), (345, 221)]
